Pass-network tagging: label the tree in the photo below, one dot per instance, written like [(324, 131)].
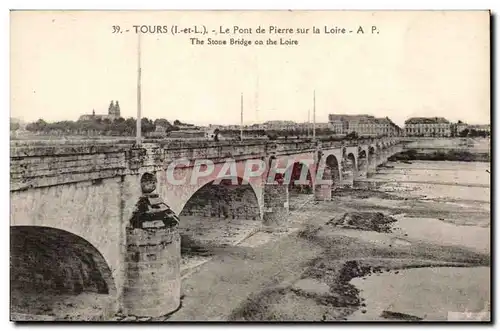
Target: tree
[(38, 126), (14, 126), (352, 136), (216, 135), (130, 125), (463, 133), (162, 122), (147, 125)]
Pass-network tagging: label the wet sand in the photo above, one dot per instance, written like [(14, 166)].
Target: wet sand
[(436, 293), (427, 293), (476, 238)]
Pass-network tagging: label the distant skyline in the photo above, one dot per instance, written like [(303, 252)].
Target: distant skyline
[(422, 64)]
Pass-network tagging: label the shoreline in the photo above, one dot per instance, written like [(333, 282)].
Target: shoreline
[(440, 154)]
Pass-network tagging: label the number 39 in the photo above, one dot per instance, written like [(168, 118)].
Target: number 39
[(116, 28)]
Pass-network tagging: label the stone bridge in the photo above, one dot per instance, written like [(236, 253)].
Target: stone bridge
[(71, 204)]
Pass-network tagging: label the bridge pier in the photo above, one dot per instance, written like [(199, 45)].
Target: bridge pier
[(380, 158), (372, 167), (363, 166), (276, 204), (323, 191), (347, 179), (152, 284)]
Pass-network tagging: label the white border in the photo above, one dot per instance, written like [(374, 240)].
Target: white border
[(186, 4)]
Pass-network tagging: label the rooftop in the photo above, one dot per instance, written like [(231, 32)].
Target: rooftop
[(426, 120), (343, 117)]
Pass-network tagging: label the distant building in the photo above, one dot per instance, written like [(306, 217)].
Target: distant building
[(480, 127), (113, 113), (318, 125), (160, 129), (256, 126), (187, 134), (460, 126), (363, 125), (428, 127), (343, 123), (273, 125), (281, 125), (186, 126)]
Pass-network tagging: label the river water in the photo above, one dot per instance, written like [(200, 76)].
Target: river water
[(436, 293)]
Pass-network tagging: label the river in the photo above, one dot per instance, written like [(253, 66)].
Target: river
[(435, 293)]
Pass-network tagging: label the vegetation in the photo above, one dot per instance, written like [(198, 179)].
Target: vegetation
[(127, 127), (473, 133), (352, 136), (14, 126), (105, 127)]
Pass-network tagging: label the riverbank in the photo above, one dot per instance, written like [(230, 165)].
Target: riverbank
[(441, 155), (445, 149)]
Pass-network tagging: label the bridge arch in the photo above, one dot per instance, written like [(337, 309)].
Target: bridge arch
[(371, 155), (352, 163), (48, 263), (362, 161), (296, 184), (177, 185), (333, 165), (229, 197)]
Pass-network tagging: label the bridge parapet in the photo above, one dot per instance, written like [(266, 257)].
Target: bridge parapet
[(43, 165), (49, 166)]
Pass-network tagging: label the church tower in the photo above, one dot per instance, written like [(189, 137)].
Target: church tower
[(111, 109), (117, 109)]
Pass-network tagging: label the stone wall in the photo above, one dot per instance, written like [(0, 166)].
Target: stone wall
[(34, 167)]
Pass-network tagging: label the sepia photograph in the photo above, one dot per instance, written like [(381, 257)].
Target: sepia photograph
[(250, 166)]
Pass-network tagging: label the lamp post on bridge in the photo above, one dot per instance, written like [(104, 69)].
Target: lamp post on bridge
[(314, 115), (138, 129), (241, 119)]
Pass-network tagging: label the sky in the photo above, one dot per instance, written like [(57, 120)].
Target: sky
[(67, 63)]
